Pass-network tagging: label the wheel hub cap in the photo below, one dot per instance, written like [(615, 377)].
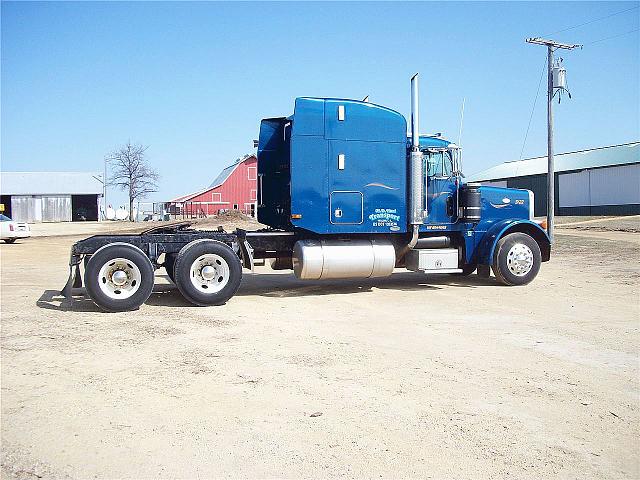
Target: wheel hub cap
[(208, 272), (520, 259), (119, 277)]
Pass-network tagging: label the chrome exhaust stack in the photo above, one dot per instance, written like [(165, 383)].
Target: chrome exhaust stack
[(417, 195)]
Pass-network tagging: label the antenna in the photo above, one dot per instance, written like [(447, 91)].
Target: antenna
[(461, 122), (366, 99)]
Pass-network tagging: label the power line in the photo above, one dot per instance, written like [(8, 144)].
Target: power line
[(614, 36), (535, 101), (593, 21)]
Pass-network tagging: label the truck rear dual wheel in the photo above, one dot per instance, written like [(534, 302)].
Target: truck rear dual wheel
[(207, 272), (119, 277), (516, 260)]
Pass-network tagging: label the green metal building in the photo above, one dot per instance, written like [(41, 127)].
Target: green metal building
[(596, 181)]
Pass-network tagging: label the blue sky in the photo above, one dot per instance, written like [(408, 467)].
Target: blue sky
[(193, 80)]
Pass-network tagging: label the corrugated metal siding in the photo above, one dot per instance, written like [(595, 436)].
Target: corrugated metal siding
[(615, 185), (538, 185), (20, 209), (600, 191), (574, 189), (26, 208), (600, 187), (36, 208), (56, 208)]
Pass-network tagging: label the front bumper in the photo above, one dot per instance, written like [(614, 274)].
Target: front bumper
[(17, 234)]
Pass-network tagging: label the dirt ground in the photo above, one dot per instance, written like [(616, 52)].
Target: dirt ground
[(604, 224), (409, 376)]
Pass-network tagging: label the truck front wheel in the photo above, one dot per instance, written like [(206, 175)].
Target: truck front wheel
[(207, 272), (119, 277), (516, 260)]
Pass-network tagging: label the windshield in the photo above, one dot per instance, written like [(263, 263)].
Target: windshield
[(4, 218)]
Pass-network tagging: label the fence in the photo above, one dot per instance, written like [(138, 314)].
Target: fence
[(190, 210)]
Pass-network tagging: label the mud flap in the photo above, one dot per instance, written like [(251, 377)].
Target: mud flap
[(484, 271), (75, 279), (247, 256)]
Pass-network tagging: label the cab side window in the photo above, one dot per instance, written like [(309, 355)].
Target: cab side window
[(447, 164), (438, 164)]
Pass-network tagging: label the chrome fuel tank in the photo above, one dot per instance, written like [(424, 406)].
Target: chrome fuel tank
[(323, 259)]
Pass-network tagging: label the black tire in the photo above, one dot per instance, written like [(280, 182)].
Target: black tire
[(502, 259), (9, 240), (110, 252), (195, 251), (169, 265)]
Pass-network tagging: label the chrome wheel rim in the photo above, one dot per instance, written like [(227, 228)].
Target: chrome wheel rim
[(520, 259), (119, 278), (209, 273)]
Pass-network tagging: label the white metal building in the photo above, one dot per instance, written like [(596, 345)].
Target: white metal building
[(51, 196), (597, 181)]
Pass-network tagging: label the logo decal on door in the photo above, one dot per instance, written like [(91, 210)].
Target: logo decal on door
[(385, 217)]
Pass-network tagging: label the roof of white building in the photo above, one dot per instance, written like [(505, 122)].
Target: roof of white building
[(582, 159), (51, 183)]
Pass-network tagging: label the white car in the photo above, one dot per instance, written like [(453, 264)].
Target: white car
[(10, 231)]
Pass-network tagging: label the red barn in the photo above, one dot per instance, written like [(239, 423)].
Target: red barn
[(234, 189)]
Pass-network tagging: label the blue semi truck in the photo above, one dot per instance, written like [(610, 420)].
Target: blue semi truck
[(344, 193)]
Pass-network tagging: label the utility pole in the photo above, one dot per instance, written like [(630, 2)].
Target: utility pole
[(551, 47)]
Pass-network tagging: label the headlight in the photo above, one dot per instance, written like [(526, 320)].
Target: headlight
[(531, 205)]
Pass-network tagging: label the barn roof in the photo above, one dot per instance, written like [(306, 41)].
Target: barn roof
[(582, 159), (219, 180), (227, 171), (51, 183)]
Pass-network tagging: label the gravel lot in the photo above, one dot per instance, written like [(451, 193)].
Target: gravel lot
[(409, 376)]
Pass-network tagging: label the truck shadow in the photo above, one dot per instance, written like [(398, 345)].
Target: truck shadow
[(278, 285), (162, 295), (54, 300), (287, 285)]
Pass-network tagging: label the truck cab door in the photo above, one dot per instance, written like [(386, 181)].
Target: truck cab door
[(441, 188)]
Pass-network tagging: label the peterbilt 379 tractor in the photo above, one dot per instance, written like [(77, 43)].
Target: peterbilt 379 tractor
[(344, 193)]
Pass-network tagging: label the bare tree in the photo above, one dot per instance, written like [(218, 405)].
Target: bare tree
[(131, 171)]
